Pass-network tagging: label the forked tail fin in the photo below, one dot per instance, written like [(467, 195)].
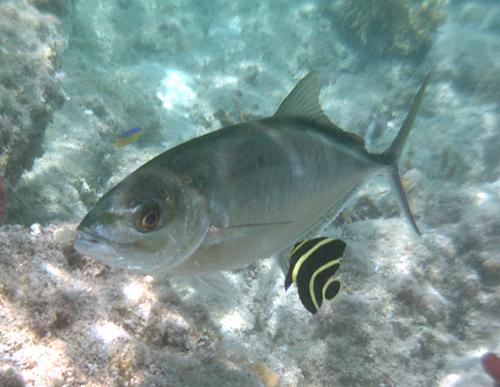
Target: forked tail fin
[(396, 148), (391, 156)]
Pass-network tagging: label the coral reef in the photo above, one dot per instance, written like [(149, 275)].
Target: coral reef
[(414, 311), (30, 44), (403, 27)]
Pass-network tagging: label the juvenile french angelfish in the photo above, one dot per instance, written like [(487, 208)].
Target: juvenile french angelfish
[(239, 194), (313, 264)]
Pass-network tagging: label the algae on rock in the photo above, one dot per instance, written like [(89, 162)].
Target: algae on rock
[(30, 48)]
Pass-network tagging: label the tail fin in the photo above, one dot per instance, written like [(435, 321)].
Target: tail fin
[(396, 148), (391, 156)]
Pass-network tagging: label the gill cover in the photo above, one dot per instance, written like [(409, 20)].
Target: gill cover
[(152, 221)]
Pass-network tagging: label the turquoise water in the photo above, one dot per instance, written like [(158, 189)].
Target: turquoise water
[(74, 75)]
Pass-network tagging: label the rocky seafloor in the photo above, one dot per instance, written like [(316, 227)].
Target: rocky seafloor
[(414, 311)]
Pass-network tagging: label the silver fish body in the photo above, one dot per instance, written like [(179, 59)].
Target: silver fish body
[(266, 184), (239, 194)]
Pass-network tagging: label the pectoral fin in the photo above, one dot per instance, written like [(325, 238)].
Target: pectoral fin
[(215, 282), (313, 264)]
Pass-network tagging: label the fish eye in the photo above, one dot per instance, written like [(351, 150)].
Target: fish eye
[(150, 218)]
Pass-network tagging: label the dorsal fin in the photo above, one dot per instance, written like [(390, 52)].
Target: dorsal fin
[(303, 101)]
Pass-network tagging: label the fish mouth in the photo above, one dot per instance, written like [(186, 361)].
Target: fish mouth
[(92, 245), (88, 236), (108, 252)]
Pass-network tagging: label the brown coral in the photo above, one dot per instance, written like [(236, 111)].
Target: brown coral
[(404, 27)]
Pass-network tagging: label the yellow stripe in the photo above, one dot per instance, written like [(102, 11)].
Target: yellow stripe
[(328, 283), (304, 257), (298, 247), (313, 277)]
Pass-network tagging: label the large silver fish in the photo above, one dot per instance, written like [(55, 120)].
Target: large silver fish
[(241, 193)]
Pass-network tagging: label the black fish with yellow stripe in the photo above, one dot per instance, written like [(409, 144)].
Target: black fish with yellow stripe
[(314, 263)]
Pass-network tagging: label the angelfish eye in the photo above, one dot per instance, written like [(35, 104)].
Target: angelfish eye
[(150, 219)]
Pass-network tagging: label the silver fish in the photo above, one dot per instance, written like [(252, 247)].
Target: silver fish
[(241, 193)]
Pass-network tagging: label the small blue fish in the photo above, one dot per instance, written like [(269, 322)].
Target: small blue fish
[(128, 137)]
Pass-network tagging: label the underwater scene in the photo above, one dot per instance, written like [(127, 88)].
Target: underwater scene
[(326, 214)]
